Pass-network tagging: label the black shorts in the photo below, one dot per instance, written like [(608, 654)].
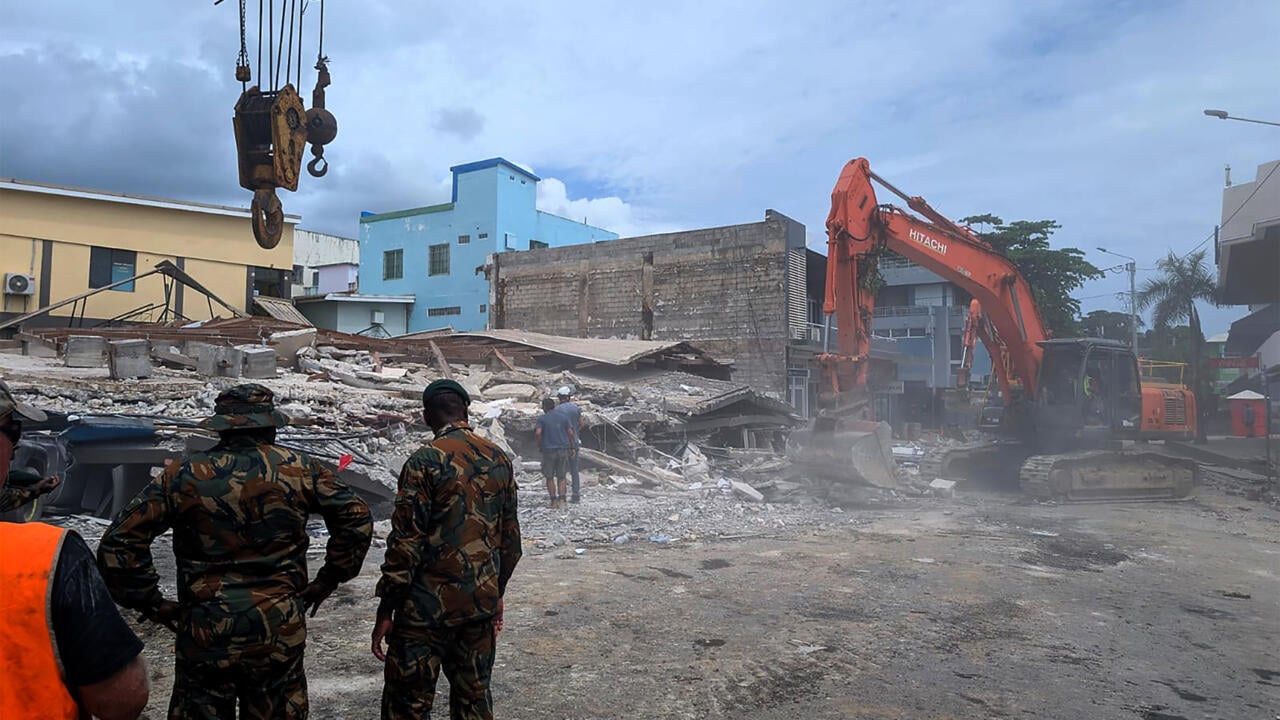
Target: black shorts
[(555, 464)]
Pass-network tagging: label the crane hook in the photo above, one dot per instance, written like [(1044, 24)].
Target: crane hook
[(318, 167)]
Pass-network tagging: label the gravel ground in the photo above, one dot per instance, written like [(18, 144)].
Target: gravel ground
[(978, 607)]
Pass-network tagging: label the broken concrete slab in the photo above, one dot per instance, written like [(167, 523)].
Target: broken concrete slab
[(289, 342), (515, 391), (744, 490)]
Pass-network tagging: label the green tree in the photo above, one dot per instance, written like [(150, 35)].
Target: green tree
[(1053, 274), (1108, 324), (1172, 296)]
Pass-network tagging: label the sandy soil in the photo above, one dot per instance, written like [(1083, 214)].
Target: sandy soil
[(977, 607)]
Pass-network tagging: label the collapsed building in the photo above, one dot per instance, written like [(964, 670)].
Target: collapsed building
[(125, 401)]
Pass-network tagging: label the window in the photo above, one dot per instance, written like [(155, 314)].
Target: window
[(483, 236), (315, 278), (484, 308), (443, 311), (536, 245), (439, 260), (110, 265), (464, 239), (915, 332), (393, 264)]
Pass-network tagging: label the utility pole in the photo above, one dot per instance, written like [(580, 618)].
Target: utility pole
[(1132, 267), (1133, 304)]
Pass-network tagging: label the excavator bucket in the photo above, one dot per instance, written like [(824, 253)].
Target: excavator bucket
[(859, 453)]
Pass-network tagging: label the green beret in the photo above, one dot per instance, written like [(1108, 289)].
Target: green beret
[(444, 386)]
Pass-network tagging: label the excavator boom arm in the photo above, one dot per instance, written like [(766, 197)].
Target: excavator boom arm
[(858, 225)]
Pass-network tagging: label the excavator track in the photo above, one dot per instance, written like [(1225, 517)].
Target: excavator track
[(990, 464), (1108, 476)]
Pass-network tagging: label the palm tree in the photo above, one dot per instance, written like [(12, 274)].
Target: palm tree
[(1172, 298)]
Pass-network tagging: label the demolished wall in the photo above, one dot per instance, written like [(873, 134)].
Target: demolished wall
[(723, 288)]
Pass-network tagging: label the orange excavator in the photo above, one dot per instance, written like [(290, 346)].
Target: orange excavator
[(1067, 403)]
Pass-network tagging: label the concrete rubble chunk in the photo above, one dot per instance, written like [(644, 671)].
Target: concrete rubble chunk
[(943, 488), (516, 391), (259, 362), (744, 490), (218, 361), (86, 351), (129, 359), (289, 342)]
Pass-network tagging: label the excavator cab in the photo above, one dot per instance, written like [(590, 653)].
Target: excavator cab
[(1089, 394)]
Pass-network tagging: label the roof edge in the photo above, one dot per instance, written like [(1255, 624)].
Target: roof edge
[(128, 199)]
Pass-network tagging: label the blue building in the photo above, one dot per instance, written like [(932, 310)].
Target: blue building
[(437, 253)]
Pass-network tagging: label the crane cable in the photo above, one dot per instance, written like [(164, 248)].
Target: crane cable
[(259, 76), (242, 60)]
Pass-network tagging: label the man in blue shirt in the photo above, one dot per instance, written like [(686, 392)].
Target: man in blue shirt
[(574, 413), (556, 438)]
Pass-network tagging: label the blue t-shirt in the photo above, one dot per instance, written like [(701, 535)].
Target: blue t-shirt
[(555, 430), (574, 413)]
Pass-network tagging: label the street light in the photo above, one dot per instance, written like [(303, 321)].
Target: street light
[(1223, 115), (1132, 267)]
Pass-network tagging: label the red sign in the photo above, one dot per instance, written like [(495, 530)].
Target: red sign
[(1240, 362)]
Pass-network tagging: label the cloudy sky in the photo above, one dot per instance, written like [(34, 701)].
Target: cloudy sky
[(646, 117)]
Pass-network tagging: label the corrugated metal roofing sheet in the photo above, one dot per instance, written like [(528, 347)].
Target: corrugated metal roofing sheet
[(608, 351), (282, 309)]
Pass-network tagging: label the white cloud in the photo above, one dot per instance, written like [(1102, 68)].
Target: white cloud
[(611, 213), (707, 113)]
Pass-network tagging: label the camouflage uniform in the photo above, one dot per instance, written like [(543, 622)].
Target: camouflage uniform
[(12, 496), (454, 542), (239, 515)]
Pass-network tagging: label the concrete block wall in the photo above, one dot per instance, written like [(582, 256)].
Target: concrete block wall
[(723, 288)]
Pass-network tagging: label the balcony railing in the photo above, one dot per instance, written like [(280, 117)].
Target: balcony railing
[(914, 310)]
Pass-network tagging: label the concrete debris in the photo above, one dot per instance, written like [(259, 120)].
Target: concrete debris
[(687, 455), (742, 489)]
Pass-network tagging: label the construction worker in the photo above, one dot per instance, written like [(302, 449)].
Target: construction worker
[(65, 652), (556, 439), (454, 542), (567, 406), (239, 515)]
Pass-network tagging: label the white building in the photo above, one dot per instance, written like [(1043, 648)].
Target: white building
[(324, 264)]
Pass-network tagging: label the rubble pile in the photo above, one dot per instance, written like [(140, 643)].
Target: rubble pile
[(662, 427)]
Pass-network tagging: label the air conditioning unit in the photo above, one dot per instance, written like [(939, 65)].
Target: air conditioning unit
[(379, 317), (19, 284)]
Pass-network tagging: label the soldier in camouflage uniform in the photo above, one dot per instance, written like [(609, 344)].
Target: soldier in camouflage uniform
[(454, 542), (239, 515)]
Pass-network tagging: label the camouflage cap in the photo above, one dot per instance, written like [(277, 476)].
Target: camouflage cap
[(443, 386), (10, 405), (244, 407)]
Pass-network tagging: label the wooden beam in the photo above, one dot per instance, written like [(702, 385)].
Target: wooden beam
[(444, 364), (503, 359)]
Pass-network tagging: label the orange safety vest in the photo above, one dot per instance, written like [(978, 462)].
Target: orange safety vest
[(31, 682)]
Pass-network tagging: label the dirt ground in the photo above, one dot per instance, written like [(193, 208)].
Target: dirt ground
[(975, 607)]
